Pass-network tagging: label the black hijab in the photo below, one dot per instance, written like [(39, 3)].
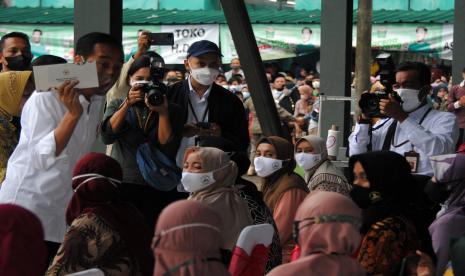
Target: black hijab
[(389, 175)]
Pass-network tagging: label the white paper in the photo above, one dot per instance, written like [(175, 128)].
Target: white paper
[(49, 76)]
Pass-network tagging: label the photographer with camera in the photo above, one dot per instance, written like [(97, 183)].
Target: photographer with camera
[(408, 125), (144, 121)]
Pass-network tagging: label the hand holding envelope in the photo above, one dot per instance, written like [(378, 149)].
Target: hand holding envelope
[(51, 76)]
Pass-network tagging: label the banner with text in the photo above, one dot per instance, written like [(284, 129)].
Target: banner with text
[(275, 41)]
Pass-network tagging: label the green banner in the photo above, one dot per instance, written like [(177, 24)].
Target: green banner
[(275, 41)]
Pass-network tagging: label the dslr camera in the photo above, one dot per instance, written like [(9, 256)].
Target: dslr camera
[(369, 102), (155, 89)]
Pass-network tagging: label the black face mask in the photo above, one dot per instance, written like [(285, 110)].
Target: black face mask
[(18, 63), (364, 197), (437, 191)]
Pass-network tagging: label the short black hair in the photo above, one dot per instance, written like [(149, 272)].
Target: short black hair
[(86, 43), (24, 36), (423, 71), (463, 70), (48, 60), (235, 78), (306, 28), (277, 76), (37, 30), (424, 28)]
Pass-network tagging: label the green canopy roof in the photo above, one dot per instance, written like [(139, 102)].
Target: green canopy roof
[(166, 17)]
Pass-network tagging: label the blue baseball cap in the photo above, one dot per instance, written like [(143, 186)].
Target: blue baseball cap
[(203, 47)]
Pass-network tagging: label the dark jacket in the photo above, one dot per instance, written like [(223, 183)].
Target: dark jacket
[(225, 109), (288, 102)]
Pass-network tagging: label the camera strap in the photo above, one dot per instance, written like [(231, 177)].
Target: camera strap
[(389, 140), (191, 107), (143, 126)]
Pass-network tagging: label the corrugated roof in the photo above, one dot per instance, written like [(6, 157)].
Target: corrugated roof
[(165, 17)]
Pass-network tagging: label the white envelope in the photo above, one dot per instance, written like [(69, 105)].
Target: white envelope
[(49, 76)]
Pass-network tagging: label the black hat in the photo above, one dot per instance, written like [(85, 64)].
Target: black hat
[(203, 47)]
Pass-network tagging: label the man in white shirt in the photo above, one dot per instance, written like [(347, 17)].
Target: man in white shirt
[(58, 128), (235, 69), (413, 128)]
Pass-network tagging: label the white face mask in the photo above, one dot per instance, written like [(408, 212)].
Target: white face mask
[(265, 166), (316, 84), (193, 182), (307, 160), (235, 87), (409, 98), (141, 82), (204, 75), (246, 95)]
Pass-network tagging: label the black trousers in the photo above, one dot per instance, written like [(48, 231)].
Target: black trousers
[(148, 201)]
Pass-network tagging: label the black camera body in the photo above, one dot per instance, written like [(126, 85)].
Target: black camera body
[(369, 102), (155, 91)]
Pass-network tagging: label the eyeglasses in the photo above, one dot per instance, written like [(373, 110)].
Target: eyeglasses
[(323, 219)]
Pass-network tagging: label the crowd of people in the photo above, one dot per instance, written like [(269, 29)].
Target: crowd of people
[(170, 195)]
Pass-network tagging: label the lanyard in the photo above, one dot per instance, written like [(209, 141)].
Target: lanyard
[(421, 121), (143, 127), (195, 114)]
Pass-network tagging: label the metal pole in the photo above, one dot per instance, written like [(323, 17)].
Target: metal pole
[(363, 49), (336, 57), (104, 16), (458, 53), (246, 46)]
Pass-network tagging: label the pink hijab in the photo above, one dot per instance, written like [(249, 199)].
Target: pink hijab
[(326, 246), (188, 240)]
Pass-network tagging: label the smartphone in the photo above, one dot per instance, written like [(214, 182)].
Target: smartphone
[(161, 39)]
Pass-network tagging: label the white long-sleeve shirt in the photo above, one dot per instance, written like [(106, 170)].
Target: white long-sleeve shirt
[(436, 135), (35, 178)]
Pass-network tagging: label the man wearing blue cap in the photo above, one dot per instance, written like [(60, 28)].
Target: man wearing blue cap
[(209, 109)]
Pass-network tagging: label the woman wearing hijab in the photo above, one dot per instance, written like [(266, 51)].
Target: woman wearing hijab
[(188, 240), (283, 190), (14, 91), (326, 228), (105, 232), (320, 173), (450, 223), (259, 212), (209, 176), (22, 247), (383, 188)]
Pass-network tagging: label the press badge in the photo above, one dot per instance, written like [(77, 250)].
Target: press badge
[(412, 158)]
